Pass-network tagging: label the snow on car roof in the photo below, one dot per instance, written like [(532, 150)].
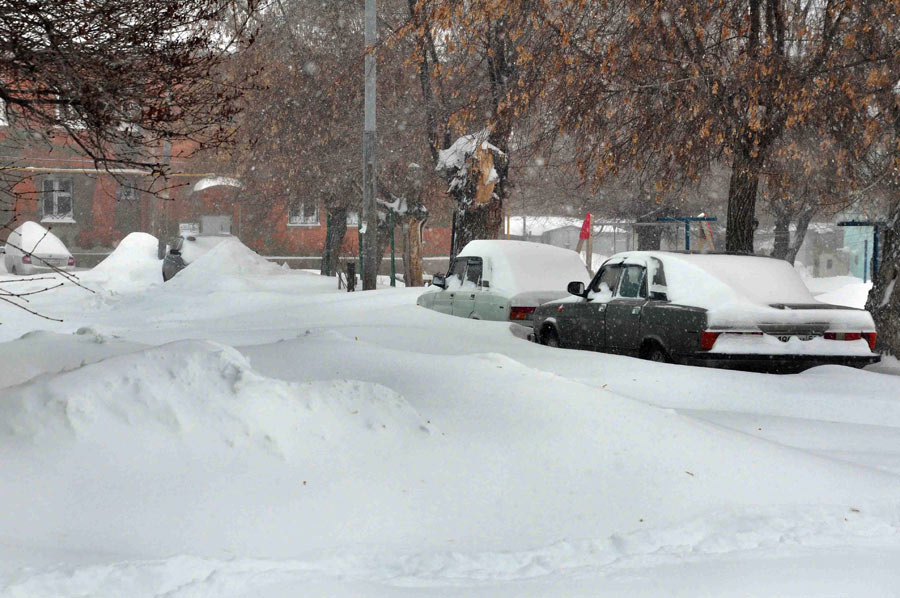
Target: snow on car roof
[(521, 266), (33, 238), (738, 289), (760, 279)]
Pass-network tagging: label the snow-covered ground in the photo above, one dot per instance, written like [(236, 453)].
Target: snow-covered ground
[(248, 430)]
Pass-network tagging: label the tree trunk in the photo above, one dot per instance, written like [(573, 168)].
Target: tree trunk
[(404, 236), (800, 234), (649, 237), (384, 244), (741, 223), (782, 233), (884, 298), (787, 246), (335, 229), (475, 221), (413, 262)]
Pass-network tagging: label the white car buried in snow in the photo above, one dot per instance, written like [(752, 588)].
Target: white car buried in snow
[(32, 249), (503, 280)]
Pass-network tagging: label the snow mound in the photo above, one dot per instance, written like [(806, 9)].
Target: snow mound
[(205, 396), (31, 237), (853, 294), (132, 266), (229, 259)]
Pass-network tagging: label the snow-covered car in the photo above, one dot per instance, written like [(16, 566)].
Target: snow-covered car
[(503, 280), (716, 310), (32, 249), (183, 250)]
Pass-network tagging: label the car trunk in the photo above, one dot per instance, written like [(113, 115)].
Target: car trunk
[(812, 319), (535, 298), (522, 305), (810, 325)]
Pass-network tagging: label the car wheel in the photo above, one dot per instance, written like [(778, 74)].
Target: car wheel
[(655, 352), (550, 338)]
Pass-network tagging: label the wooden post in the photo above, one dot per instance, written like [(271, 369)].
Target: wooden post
[(351, 276), (589, 258)]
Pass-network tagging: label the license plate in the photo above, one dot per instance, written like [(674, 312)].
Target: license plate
[(803, 337)]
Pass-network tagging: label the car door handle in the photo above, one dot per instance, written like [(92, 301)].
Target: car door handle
[(601, 307), (635, 310)]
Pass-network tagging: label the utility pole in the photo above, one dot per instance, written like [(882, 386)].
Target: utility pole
[(369, 226)]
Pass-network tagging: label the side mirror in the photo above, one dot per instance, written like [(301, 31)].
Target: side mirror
[(439, 281), (576, 288)]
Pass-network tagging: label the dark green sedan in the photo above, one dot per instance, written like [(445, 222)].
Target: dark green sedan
[(736, 311)]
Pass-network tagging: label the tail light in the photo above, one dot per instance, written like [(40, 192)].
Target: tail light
[(870, 338), (707, 340), (26, 259), (843, 336), (71, 261), (520, 313)]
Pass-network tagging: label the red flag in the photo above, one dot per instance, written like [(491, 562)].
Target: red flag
[(586, 228)]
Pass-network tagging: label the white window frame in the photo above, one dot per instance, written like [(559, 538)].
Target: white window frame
[(297, 214), (57, 192), (352, 219)]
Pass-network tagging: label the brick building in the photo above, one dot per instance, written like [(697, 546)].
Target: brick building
[(91, 210)]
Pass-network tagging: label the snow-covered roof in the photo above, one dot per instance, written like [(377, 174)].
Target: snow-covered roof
[(216, 181), (538, 225), (523, 267)]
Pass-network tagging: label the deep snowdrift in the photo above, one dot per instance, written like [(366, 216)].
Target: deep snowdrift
[(326, 443), (227, 266), (201, 395), (132, 266), (190, 450)]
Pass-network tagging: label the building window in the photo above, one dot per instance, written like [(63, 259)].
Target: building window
[(127, 190), (352, 218), (188, 228), (66, 114), (303, 213), (57, 199)]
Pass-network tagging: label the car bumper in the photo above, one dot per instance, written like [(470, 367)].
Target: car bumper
[(32, 269), (783, 364)]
